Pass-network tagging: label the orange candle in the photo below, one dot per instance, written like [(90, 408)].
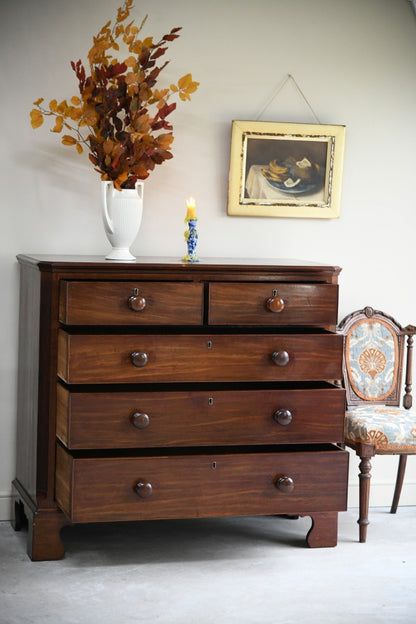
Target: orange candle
[(190, 206)]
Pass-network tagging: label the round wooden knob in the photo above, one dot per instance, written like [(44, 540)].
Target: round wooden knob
[(283, 417), (275, 304), (140, 420), (137, 303), (138, 358), (285, 484), (143, 489), (280, 358)]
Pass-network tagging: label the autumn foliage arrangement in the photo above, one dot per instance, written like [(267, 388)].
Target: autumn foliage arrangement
[(120, 117)]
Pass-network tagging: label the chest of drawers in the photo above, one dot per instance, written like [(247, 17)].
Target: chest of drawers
[(157, 390)]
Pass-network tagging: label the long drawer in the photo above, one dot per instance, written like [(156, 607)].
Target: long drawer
[(315, 305), (199, 418), (209, 484), (120, 358)]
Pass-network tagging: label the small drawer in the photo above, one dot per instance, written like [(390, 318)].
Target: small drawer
[(106, 420), (103, 489), (313, 305), (128, 358), (131, 303)]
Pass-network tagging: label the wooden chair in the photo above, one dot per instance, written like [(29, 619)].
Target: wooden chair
[(374, 346)]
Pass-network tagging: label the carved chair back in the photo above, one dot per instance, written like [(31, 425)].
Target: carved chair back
[(374, 345)]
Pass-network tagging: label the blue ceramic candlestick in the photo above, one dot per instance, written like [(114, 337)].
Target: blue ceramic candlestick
[(191, 238)]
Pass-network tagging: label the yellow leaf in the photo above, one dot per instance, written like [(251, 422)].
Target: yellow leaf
[(36, 118), (53, 105), (39, 101), (128, 27), (75, 113), (62, 107), (105, 28), (120, 179), (173, 88), (58, 124), (185, 81), (130, 61), (79, 148), (68, 140), (187, 84), (75, 100)]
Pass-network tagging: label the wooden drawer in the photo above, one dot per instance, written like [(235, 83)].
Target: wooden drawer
[(314, 305), (199, 418), (198, 358), (211, 484), (130, 303)]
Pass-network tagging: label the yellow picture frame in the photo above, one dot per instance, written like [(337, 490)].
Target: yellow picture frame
[(285, 170)]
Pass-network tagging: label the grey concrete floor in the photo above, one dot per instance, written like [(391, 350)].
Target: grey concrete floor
[(222, 571)]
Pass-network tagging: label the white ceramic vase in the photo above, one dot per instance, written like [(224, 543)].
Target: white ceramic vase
[(122, 216)]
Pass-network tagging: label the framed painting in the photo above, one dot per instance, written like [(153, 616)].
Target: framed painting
[(285, 169)]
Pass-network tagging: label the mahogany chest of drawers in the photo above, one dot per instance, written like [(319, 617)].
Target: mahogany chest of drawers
[(157, 389)]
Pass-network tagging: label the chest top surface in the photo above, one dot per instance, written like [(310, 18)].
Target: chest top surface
[(238, 269)]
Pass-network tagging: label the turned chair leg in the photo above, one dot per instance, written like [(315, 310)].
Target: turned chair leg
[(399, 482), (364, 476)]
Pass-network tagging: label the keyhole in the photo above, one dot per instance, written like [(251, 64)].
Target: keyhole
[(214, 465)]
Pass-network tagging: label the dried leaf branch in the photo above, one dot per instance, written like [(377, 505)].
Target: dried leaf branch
[(120, 116)]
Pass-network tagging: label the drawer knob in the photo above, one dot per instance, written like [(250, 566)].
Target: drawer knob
[(280, 358), (138, 358), (283, 417), (140, 420), (275, 304), (285, 484), (137, 303), (143, 489)]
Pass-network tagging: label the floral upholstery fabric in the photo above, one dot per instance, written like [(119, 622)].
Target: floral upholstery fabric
[(390, 429), (371, 353)]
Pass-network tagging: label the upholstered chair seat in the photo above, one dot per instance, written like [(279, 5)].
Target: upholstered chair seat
[(388, 428)]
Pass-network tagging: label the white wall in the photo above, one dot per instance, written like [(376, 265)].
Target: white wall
[(354, 61)]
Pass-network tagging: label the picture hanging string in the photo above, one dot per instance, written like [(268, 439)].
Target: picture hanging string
[(278, 90)]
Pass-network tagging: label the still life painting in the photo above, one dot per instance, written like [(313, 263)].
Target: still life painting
[(285, 169)]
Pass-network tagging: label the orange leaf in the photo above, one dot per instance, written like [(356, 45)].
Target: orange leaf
[(68, 140), (53, 105), (36, 118), (39, 101), (164, 141), (75, 100), (79, 148), (108, 146)]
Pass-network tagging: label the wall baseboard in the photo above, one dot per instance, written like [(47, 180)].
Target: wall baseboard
[(5, 507), (381, 495)]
